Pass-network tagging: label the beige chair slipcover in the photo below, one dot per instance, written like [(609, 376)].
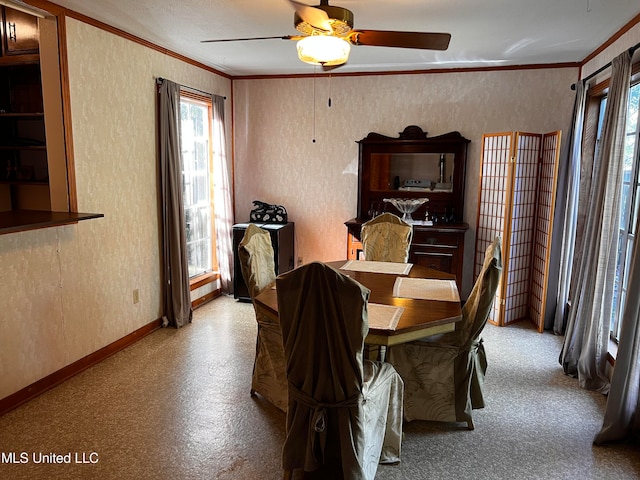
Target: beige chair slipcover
[(444, 376), (258, 269), (386, 238), (343, 410)]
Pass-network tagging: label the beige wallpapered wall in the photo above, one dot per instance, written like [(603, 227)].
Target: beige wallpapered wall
[(68, 291), (276, 160)]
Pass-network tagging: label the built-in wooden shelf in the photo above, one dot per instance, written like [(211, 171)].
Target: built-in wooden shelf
[(43, 183), (23, 147), (21, 115), (21, 220), (28, 59)]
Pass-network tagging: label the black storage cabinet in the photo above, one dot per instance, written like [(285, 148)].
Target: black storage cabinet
[(282, 239)]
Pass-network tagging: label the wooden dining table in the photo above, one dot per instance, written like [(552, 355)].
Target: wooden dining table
[(419, 318)]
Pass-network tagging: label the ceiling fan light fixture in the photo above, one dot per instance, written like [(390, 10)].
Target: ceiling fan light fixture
[(323, 50), (340, 19)]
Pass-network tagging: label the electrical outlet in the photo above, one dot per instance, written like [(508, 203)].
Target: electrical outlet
[(136, 296), (299, 261)]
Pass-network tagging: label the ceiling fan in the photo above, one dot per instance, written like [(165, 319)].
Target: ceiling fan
[(328, 35)]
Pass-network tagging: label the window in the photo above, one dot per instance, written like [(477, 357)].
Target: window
[(197, 183), (630, 199)]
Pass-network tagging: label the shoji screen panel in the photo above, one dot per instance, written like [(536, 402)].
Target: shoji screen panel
[(522, 214), (544, 222), (517, 194), (493, 202)]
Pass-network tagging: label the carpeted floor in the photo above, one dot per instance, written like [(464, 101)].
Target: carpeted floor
[(176, 405)]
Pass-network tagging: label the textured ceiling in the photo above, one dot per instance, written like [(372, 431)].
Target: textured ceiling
[(484, 33)]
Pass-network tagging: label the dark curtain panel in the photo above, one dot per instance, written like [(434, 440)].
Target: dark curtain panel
[(177, 296), (622, 416), (567, 212), (585, 346)]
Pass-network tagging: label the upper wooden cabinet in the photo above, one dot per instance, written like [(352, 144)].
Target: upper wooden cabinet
[(413, 166), (19, 32), (37, 187), (24, 153)]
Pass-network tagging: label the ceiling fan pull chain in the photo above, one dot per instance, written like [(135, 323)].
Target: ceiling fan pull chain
[(329, 90), (314, 104)]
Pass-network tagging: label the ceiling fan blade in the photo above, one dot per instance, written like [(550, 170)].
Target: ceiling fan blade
[(328, 68), (284, 37), (387, 38), (313, 16)]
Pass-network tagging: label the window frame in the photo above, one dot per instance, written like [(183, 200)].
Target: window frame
[(200, 279), (627, 231)]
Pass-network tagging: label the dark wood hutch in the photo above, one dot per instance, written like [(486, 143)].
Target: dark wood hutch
[(416, 166)]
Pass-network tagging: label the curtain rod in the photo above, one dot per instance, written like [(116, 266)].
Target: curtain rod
[(160, 79), (604, 67)]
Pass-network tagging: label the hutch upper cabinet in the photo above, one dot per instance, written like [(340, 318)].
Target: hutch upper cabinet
[(414, 165)]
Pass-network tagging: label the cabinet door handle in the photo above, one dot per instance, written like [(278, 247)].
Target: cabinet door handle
[(434, 254), (12, 32)]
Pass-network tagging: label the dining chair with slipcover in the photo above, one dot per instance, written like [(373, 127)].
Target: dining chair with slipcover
[(255, 252), (345, 412), (386, 238), (444, 375)]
